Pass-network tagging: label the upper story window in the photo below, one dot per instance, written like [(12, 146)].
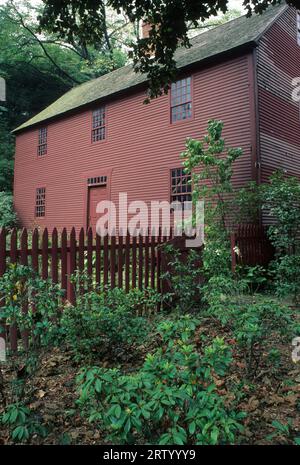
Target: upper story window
[(181, 100), (298, 27), (181, 188), (42, 145), (98, 124), (40, 202)]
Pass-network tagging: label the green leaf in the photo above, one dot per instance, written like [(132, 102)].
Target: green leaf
[(178, 439), (192, 427), (118, 411), (127, 426), (98, 386), (214, 435)]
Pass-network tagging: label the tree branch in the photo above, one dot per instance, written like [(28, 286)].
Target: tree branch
[(28, 29)]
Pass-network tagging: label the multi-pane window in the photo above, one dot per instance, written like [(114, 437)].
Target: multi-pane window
[(40, 202), (181, 100), (98, 124), (298, 27), (97, 181), (42, 146), (181, 188)]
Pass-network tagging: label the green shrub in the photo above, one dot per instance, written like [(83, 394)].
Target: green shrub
[(254, 325), (184, 277), (22, 423), (281, 198), (107, 319), (287, 276), (21, 286), (256, 277), (8, 218), (172, 399)]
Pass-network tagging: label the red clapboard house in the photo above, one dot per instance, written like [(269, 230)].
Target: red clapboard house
[(99, 139)]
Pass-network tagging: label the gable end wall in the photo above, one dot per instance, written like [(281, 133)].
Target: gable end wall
[(278, 62)]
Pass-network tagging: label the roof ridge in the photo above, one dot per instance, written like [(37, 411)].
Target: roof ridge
[(216, 41)]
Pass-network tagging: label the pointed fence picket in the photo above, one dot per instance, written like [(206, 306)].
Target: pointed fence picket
[(251, 246), (120, 261), (113, 261)]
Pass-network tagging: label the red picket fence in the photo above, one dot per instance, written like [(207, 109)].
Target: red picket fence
[(113, 261), (250, 246)]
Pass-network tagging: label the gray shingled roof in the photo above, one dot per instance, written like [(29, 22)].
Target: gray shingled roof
[(229, 36)]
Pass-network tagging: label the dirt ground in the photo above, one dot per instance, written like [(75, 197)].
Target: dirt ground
[(269, 397)]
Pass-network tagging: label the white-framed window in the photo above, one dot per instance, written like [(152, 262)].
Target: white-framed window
[(181, 100), (98, 124), (42, 144), (181, 188), (40, 202)]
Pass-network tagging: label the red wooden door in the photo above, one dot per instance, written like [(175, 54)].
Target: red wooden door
[(96, 195)]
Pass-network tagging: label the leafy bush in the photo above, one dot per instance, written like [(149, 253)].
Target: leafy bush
[(253, 324), (210, 164), (216, 253), (172, 399), (287, 276), (20, 286), (247, 204), (184, 277), (256, 277), (8, 217), (104, 320), (281, 199), (21, 422)]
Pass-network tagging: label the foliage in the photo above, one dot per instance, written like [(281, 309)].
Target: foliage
[(210, 163), (8, 218), (21, 287), (256, 277), (171, 20), (281, 199), (103, 320), (184, 278), (39, 68), (172, 399), (287, 276), (216, 252), (247, 204), (30, 304), (251, 323), (6, 154), (22, 423), (281, 431)]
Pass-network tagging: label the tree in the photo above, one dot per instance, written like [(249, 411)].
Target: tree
[(39, 68), (6, 153), (210, 161), (170, 21)]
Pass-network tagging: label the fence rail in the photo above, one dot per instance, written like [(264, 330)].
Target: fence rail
[(125, 262), (251, 246), (115, 261)]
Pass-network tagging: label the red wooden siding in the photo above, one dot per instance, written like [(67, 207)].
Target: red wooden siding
[(278, 62), (140, 148)]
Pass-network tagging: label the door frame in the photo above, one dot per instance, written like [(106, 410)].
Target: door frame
[(92, 174)]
